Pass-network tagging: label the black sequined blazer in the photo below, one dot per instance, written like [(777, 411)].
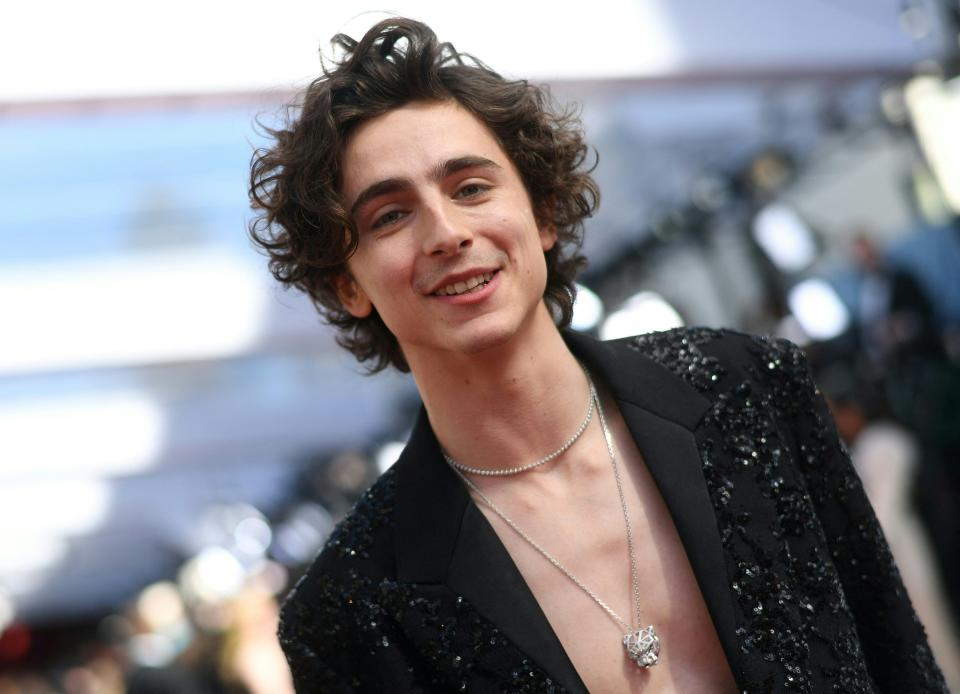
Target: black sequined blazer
[(415, 592)]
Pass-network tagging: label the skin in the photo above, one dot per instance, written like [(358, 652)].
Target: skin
[(441, 202), (435, 200), (497, 345)]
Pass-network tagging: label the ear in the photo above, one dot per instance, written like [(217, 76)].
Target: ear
[(352, 296), (546, 227), (548, 236)]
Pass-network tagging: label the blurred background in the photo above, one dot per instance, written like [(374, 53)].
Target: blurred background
[(178, 436)]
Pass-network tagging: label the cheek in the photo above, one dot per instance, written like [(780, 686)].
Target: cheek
[(535, 263), (378, 268), (385, 277)]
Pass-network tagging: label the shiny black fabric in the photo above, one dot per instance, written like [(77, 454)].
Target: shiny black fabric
[(415, 592)]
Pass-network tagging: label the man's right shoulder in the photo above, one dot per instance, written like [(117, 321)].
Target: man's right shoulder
[(362, 543), (342, 609)]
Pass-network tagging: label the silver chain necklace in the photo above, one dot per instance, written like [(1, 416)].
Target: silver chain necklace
[(642, 644), (487, 472)]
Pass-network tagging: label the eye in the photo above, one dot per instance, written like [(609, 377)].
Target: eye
[(388, 218), (471, 190)]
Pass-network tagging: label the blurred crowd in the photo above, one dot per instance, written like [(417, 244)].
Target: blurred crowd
[(211, 628), (158, 645)]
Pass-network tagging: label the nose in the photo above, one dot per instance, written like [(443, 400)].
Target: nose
[(444, 233)]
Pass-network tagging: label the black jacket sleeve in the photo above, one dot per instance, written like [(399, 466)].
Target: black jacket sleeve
[(893, 640)]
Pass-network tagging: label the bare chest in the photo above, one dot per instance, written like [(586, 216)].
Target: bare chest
[(587, 535)]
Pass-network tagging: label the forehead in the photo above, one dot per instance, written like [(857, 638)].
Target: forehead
[(409, 141)]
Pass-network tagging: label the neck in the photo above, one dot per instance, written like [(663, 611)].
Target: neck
[(507, 406)]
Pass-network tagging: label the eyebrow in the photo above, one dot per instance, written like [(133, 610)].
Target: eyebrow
[(440, 172)]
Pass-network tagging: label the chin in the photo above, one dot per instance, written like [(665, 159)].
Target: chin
[(487, 341), (485, 335)]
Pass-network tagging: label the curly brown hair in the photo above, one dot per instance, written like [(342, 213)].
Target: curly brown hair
[(295, 184)]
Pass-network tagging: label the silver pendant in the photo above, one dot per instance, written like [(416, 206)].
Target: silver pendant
[(643, 646)]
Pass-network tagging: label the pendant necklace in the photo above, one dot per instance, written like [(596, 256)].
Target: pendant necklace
[(642, 644)]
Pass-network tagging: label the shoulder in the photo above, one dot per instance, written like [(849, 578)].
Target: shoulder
[(713, 361), (340, 625), (357, 556), (362, 542), (762, 395), (363, 534)]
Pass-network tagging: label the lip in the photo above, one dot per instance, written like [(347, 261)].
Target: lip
[(470, 297), (453, 278)]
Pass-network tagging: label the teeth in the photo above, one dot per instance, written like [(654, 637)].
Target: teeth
[(466, 285)]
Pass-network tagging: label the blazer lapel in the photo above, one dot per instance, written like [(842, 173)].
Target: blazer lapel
[(443, 538), (484, 573), (662, 411)]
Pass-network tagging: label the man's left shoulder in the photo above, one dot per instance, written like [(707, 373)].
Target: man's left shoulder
[(714, 360)]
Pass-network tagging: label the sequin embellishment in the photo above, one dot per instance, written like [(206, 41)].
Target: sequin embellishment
[(783, 489)]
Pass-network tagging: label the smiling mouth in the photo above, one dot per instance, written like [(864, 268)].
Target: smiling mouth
[(467, 286)]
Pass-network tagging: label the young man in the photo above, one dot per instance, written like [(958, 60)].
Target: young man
[(667, 513)]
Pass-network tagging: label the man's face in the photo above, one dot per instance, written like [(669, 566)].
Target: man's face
[(450, 252)]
